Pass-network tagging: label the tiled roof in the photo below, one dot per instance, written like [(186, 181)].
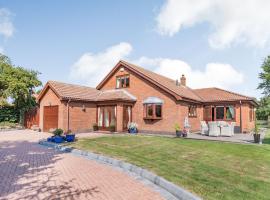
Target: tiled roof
[(84, 93), (217, 94), (116, 94), (170, 84), (75, 92)]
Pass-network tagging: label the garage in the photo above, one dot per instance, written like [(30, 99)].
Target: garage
[(50, 118)]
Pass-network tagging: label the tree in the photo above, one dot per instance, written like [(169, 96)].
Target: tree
[(263, 110), (265, 77), (18, 84)]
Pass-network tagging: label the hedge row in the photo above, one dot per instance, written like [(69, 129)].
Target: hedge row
[(9, 114)]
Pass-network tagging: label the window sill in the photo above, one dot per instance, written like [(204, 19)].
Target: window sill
[(192, 116), (152, 118)]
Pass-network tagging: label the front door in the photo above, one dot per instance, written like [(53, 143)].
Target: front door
[(126, 116), (106, 117)]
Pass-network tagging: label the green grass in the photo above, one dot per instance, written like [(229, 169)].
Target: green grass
[(212, 170), (266, 139), (263, 123)]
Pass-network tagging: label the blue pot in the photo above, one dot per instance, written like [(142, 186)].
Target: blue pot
[(49, 139), (133, 131), (70, 138), (58, 139)]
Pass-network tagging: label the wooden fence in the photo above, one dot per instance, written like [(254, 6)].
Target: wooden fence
[(31, 117)]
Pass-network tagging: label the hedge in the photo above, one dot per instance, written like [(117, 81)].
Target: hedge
[(9, 114)]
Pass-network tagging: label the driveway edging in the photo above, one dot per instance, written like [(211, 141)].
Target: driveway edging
[(175, 190)]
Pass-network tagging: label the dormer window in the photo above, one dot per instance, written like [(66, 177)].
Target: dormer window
[(122, 81)]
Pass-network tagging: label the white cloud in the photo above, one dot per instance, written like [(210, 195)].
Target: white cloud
[(6, 25), (233, 21), (92, 68), (214, 74)]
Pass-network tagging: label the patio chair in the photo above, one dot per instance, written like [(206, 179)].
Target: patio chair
[(214, 129), (204, 128), (228, 130)]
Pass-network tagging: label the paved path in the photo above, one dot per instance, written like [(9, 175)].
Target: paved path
[(30, 171)]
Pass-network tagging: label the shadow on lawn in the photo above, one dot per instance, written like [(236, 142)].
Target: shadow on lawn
[(27, 171)]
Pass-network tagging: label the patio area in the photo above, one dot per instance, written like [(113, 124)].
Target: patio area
[(246, 138)]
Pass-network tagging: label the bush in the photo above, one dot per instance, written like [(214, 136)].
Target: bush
[(58, 132), (9, 114)]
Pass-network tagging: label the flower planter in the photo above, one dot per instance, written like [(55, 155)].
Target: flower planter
[(257, 138), (70, 137), (95, 128), (178, 133), (133, 130), (58, 139)]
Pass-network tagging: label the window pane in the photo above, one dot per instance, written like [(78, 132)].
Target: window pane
[(122, 82), (220, 112), (113, 117), (192, 111), (149, 110), (117, 82), (100, 116), (106, 117), (127, 81), (229, 112), (158, 110)]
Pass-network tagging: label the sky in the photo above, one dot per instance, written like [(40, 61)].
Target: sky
[(215, 43)]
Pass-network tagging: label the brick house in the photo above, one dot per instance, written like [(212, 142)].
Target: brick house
[(130, 93)]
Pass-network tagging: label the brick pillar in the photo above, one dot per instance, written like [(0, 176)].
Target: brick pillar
[(119, 118)]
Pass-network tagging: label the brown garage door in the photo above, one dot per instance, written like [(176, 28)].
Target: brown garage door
[(50, 117)]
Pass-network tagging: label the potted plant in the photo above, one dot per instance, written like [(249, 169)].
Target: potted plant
[(70, 137), (178, 131), (95, 127), (184, 133), (58, 135), (133, 128), (112, 128), (256, 134)]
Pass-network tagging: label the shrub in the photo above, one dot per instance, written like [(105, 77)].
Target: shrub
[(58, 132), (177, 127)]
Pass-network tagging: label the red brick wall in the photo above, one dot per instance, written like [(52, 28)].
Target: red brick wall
[(173, 112), (80, 120)]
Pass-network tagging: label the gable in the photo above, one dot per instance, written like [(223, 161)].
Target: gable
[(179, 92)]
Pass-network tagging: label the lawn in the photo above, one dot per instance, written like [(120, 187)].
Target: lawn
[(266, 139), (212, 170)]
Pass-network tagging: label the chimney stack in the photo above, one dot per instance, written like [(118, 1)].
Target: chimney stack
[(183, 80)]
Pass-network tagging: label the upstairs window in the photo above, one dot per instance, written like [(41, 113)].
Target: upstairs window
[(122, 81), (192, 111)]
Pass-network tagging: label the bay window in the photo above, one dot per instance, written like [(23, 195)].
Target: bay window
[(152, 111), (153, 108)]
